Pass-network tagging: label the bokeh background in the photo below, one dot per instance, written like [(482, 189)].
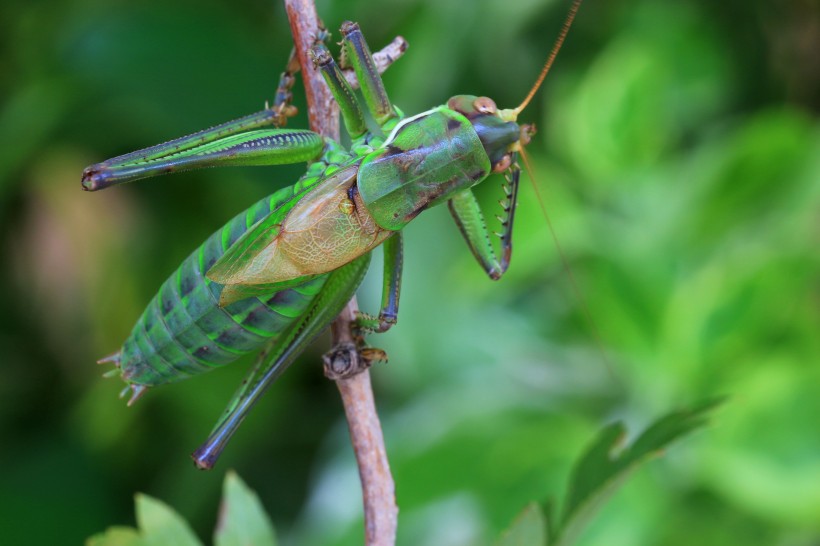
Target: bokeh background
[(679, 157)]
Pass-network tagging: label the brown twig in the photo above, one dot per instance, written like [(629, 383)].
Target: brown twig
[(323, 114), (378, 490)]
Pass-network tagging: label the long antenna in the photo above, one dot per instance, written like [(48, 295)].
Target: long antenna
[(555, 48)]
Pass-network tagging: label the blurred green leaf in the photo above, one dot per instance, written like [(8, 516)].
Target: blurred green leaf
[(242, 520), (116, 536), (607, 463), (528, 529), (160, 525)]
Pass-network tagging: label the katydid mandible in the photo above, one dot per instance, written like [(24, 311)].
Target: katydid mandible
[(277, 274)]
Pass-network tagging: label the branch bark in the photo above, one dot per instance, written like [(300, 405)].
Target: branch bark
[(323, 114), (378, 489)]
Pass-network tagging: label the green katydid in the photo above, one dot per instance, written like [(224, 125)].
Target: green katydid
[(277, 274)]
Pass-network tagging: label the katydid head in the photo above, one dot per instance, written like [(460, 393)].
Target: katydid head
[(500, 133), (503, 139), (499, 130), (500, 137)]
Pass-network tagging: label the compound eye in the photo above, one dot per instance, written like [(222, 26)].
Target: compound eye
[(485, 105), (502, 164)]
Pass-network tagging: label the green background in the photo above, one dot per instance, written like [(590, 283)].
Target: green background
[(679, 157)]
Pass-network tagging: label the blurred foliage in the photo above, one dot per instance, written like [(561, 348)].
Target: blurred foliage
[(597, 474), (595, 477), (679, 152), (242, 522)]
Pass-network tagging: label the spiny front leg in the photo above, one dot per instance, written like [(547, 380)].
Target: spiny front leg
[(470, 221)]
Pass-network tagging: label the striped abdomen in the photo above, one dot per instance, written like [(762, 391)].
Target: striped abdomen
[(184, 332)]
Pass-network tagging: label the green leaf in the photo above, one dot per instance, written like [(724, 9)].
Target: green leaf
[(160, 525), (116, 536), (528, 529), (607, 463), (242, 520)]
